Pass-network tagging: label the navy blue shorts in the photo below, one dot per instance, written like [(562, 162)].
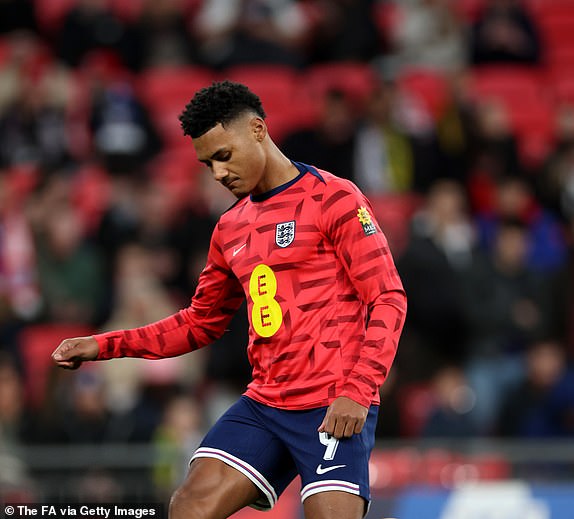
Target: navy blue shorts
[(272, 446)]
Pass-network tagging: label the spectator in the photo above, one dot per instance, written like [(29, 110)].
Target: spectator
[(513, 198), (555, 182), (143, 210), (562, 297), (69, 266), (160, 36), (505, 306), (16, 15), (542, 406), (430, 35), (124, 136), (505, 33), (344, 30), (139, 292), (24, 56), (85, 417), (175, 441), (16, 426), (331, 142), (20, 299), (34, 126), (409, 115), (15, 421), (493, 152), (89, 26), (440, 247), (119, 222), (384, 160), (19, 294), (452, 400), (139, 295), (253, 31), (455, 127)]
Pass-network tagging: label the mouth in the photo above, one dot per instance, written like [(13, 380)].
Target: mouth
[(230, 184)]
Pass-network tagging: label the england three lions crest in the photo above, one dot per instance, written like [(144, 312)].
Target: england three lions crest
[(285, 233)]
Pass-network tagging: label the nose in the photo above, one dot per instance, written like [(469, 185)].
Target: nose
[(219, 171)]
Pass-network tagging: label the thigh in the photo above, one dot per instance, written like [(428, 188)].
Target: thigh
[(334, 505), (212, 489), (327, 465), (242, 440)]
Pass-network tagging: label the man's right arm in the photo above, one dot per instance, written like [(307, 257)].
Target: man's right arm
[(218, 296)]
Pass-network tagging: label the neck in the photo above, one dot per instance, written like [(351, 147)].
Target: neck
[(278, 170)]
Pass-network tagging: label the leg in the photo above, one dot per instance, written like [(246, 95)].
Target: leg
[(334, 473), (334, 505), (212, 490)]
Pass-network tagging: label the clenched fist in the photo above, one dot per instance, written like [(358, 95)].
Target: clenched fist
[(72, 352)]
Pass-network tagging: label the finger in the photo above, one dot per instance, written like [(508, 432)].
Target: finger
[(70, 364), (327, 426), (340, 427), (359, 426), (349, 428), (64, 351)]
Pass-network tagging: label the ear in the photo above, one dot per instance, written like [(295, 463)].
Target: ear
[(258, 128)]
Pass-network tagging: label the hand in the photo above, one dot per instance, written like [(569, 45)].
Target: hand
[(344, 417), (72, 352)]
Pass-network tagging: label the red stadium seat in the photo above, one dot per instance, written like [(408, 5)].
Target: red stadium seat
[(157, 84), (556, 29), (36, 345), (429, 86), (491, 467), (513, 85), (177, 170), (50, 13), (356, 79), (560, 60), (468, 10), (533, 126), (526, 96), (541, 8), (449, 469), (416, 404), (393, 213), (91, 194), (438, 467), (274, 84), (563, 88), (166, 91), (127, 10), (387, 17), (21, 180), (5, 50), (283, 93), (392, 469)]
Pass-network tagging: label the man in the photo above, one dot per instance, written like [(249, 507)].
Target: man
[(326, 308)]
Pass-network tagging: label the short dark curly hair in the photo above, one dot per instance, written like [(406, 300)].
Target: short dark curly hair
[(221, 102)]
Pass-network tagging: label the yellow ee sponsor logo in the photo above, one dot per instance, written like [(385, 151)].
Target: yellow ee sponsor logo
[(266, 314)]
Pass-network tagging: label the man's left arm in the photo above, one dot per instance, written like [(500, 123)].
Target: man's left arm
[(363, 249)]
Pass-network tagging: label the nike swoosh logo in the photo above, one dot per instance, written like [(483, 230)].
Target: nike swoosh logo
[(323, 470), (237, 251)]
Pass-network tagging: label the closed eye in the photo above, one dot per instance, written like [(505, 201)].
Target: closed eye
[(219, 156)]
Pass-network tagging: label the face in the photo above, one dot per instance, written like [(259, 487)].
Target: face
[(235, 154)]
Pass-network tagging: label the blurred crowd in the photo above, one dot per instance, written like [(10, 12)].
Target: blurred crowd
[(456, 117)]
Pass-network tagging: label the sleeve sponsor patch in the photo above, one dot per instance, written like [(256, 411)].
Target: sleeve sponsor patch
[(366, 221)]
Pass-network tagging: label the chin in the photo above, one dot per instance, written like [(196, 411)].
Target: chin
[(239, 194)]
